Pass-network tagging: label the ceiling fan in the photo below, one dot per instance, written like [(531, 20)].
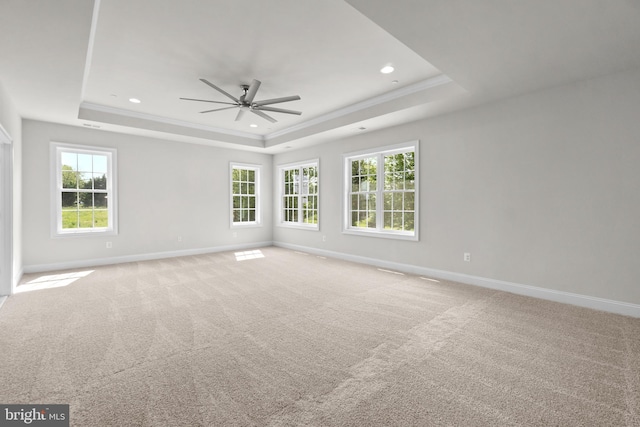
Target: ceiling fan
[(246, 102)]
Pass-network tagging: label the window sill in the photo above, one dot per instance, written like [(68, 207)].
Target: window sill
[(246, 225), (381, 234), (95, 233), (314, 227)]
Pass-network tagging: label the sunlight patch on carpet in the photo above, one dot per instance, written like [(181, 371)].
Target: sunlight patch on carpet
[(391, 271), (52, 281), (245, 255)]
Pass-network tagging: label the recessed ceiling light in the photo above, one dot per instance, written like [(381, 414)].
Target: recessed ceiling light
[(134, 100), (362, 128), (394, 82), (387, 69), (253, 125)]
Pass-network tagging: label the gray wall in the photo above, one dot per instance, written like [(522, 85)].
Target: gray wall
[(165, 190), (542, 189)]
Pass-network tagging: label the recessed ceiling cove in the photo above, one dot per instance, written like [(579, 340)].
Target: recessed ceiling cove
[(327, 53)]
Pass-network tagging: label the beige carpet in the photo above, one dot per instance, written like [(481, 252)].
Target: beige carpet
[(293, 340)]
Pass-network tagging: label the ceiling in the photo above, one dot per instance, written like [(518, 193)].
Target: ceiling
[(78, 62)]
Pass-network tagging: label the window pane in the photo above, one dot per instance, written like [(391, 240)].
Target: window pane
[(69, 200), (397, 201), (410, 180), (373, 183), (100, 181), (252, 215), (85, 163), (69, 218), (100, 200), (101, 218), (354, 202), (85, 180), (245, 215), (244, 188), (236, 202), (243, 175), (251, 175), (70, 160), (69, 177), (372, 202), (372, 221), (236, 188), (100, 165), (252, 202), (362, 219), (85, 218), (387, 220), (397, 221), (408, 221), (409, 199), (388, 199), (252, 188), (85, 200), (354, 219), (410, 161)]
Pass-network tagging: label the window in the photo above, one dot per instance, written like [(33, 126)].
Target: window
[(299, 194), (245, 193), (381, 192), (84, 197)]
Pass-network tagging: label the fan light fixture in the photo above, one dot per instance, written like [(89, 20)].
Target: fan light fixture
[(246, 102)]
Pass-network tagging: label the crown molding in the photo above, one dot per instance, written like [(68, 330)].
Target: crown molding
[(165, 120)]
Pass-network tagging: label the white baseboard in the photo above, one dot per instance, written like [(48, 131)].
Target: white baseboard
[(612, 306), (16, 278), (40, 268)]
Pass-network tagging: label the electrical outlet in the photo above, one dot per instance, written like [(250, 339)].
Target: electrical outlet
[(324, 238), (109, 245), (179, 238), (467, 257)]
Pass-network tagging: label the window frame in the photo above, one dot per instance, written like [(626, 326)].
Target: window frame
[(281, 193), (56, 150), (379, 153), (258, 178)]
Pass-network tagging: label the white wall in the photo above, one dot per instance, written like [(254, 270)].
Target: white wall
[(542, 189), (165, 190), (11, 122)]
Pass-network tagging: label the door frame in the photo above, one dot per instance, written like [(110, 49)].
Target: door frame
[(6, 213)]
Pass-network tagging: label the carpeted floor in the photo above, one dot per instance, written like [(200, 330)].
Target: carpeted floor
[(281, 338)]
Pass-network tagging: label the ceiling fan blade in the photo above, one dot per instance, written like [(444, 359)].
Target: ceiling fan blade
[(276, 100), (278, 110), (206, 100), (263, 115), (205, 81), (218, 109), (240, 114), (251, 93)]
